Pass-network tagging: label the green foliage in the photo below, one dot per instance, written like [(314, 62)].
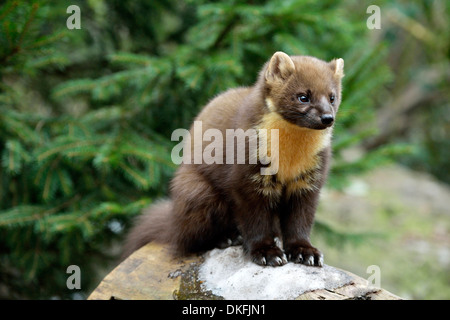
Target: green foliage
[(66, 178), (86, 115), (426, 37)]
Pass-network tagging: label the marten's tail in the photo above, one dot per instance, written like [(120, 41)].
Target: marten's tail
[(152, 225)]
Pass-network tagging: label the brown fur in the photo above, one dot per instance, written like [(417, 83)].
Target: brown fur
[(212, 203)]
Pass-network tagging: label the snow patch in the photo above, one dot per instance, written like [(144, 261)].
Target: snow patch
[(230, 274)]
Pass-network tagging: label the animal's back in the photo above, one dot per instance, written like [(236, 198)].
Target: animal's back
[(220, 112)]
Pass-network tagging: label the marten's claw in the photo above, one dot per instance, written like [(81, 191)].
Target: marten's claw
[(308, 256), (269, 256), (230, 242)]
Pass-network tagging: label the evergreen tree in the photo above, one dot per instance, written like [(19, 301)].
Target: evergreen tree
[(86, 115)]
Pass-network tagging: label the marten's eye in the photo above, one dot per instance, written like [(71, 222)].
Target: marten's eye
[(303, 98), (332, 98)]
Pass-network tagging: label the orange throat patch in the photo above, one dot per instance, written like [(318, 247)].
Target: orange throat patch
[(298, 147)]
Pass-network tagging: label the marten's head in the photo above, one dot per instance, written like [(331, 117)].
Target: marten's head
[(304, 90)]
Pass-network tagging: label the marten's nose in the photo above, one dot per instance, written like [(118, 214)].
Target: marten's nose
[(327, 119)]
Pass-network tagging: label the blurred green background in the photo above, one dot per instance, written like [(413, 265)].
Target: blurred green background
[(86, 117)]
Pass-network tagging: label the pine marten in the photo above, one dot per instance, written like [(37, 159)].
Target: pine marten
[(215, 205)]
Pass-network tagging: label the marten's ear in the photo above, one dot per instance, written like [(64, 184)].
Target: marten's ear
[(280, 67), (337, 65)]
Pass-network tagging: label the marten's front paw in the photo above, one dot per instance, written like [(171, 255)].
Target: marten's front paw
[(304, 254), (268, 255)]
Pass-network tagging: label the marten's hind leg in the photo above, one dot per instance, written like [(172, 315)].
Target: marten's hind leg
[(201, 219)]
